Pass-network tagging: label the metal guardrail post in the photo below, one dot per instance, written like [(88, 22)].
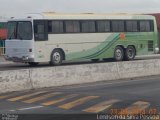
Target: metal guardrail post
[(2, 49)]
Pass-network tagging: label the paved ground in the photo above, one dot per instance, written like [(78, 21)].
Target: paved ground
[(136, 96)]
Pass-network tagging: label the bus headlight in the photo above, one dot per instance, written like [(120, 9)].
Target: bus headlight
[(25, 58), (156, 50)]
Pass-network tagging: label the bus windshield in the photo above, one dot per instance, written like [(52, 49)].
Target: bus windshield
[(19, 30)]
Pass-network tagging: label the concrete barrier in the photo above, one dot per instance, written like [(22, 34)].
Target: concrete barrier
[(77, 74), (138, 68), (34, 78), (15, 80)]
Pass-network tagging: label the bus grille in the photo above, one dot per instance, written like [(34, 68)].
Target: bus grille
[(150, 45)]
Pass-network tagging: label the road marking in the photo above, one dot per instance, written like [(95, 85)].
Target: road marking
[(12, 110), (11, 94), (25, 96), (136, 108), (4, 96), (27, 108), (77, 102), (101, 106), (32, 100), (59, 100)]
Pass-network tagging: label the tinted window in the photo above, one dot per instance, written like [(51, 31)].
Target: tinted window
[(103, 26), (72, 26), (55, 26), (88, 26), (132, 26), (24, 31), (40, 30), (145, 26), (21, 30), (12, 28), (118, 26)]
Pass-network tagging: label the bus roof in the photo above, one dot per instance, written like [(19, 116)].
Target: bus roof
[(53, 15)]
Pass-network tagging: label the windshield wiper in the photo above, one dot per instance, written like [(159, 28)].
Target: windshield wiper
[(13, 33)]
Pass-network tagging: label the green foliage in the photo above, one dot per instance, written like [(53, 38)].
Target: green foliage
[(2, 25)]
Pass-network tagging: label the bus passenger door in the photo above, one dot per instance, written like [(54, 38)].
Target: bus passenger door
[(41, 37)]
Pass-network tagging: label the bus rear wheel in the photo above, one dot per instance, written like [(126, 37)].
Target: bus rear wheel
[(56, 57), (118, 53), (130, 53)]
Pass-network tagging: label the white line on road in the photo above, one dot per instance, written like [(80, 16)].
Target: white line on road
[(27, 108)]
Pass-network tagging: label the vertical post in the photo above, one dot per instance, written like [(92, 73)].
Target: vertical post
[(3, 48)]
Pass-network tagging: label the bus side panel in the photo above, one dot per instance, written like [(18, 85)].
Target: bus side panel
[(93, 49), (94, 45), (75, 46)]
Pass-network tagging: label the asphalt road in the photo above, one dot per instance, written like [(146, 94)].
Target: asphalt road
[(134, 96)]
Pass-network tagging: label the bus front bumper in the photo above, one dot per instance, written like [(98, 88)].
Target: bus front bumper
[(24, 59)]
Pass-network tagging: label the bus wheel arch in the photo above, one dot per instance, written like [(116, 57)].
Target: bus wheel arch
[(119, 53), (57, 56), (130, 52)]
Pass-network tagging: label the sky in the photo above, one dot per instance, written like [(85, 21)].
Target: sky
[(10, 8)]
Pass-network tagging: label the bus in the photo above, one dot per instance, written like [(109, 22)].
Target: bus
[(54, 37), (157, 16), (3, 35)]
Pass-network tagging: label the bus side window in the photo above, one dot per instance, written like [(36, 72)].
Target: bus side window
[(132, 26), (118, 26), (40, 31), (103, 26), (145, 26), (88, 26), (72, 26)]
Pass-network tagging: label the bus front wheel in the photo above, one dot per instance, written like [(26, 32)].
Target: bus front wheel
[(56, 57), (118, 53), (130, 53)]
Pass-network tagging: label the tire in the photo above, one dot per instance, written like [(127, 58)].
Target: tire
[(33, 63), (119, 53), (130, 53), (56, 57), (95, 60)]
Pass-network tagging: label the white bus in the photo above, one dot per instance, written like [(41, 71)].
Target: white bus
[(53, 38)]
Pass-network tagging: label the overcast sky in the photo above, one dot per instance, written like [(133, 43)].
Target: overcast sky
[(15, 7)]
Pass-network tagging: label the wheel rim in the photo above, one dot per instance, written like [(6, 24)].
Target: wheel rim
[(56, 57), (118, 54), (130, 53)]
